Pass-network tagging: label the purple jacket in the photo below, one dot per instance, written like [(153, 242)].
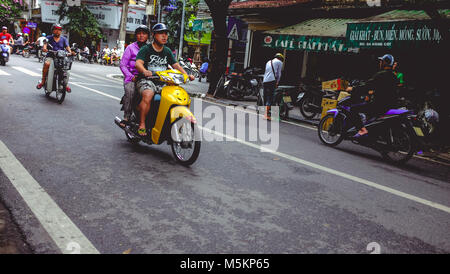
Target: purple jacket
[(128, 61)]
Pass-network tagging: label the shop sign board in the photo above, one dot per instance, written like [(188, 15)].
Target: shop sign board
[(308, 43), (203, 25), (108, 16), (402, 34)]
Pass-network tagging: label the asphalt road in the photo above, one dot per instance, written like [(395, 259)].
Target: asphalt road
[(302, 198)]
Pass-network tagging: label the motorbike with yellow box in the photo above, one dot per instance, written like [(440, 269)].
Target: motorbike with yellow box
[(395, 134), (169, 119)]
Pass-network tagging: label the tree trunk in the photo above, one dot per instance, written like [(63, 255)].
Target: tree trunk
[(218, 13)]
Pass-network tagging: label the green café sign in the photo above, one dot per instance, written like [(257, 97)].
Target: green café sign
[(403, 34), (309, 43)]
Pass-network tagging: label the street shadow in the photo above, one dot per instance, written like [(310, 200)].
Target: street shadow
[(156, 152)]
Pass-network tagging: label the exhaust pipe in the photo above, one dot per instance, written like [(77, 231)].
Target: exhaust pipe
[(117, 120)]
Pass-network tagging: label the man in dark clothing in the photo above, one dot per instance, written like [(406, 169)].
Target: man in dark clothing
[(383, 87)]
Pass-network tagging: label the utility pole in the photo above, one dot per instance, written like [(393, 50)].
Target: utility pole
[(123, 26), (180, 51)]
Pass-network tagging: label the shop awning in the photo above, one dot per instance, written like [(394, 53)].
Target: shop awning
[(395, 29), (322, 34)]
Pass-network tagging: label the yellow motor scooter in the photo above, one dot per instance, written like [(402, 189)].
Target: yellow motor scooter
[(169, 119)]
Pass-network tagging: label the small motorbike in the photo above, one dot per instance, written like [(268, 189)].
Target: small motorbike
[(239, 85), (58, 74), (169, 119), (4, 52), (393, 135), (28, 50), (309, 100), (283, 98), (189, 67)]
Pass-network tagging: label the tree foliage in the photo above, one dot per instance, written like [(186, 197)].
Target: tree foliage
[(10, 9), (81, 21), (173, 20)]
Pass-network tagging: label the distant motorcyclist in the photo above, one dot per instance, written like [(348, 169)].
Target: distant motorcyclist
[(382, 86), (18, 43), (40, 43), (4, 35), (57, 42)]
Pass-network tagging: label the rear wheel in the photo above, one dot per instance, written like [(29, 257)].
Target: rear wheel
[(330, 130), (185, 147), (305, 108), (402, 147)]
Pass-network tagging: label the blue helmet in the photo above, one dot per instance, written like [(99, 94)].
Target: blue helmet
[(389, 59), (159, 27), (43, 34)]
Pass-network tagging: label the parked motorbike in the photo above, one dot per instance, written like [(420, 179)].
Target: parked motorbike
[(393, 135), (4, 52), (310, 99), (190, 69), (283, 98), (247, 83), (169, 119), (58, 74), (28, 50)]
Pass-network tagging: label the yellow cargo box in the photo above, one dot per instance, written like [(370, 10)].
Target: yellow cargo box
[(336, 84), (328, 104)]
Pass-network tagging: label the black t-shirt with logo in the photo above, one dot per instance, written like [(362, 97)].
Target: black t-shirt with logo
[(155, 61)]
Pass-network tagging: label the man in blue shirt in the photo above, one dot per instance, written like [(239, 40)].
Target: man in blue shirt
[(57, 42)]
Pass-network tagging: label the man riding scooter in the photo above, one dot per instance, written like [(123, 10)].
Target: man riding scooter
[(153, 57), (383, 88), (57, 42), (8, 37)]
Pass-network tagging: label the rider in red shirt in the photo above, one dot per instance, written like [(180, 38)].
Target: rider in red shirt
[(4, 35)]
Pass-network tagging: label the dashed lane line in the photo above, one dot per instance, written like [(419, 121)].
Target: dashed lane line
[(58, 225), (27, 71), (4, 73), (319, 167)]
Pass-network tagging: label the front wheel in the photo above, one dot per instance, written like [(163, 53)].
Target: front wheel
[(331, 130), (26, 54), (305, 108), (402, 147), (185, 147)]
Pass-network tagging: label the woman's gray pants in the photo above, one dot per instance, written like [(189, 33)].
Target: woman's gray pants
[(127, 99)]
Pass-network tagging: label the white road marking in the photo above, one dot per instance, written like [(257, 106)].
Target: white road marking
[(102, 85), (27, 71), (58, 225), (99, 78), (337, 173), (319, 167), (4, 73), (252, 112), (97, 91)]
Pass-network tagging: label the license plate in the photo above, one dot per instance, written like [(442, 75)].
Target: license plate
[(418, 131), (287, 99)]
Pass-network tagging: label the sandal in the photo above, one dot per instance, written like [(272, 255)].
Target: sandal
[(142, 132)]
